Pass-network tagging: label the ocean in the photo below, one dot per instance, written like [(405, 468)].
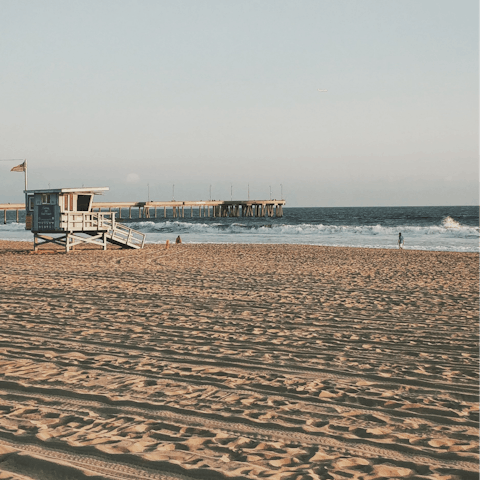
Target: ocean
[(454, 229)]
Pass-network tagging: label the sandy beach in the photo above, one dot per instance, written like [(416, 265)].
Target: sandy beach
[(210, 361)]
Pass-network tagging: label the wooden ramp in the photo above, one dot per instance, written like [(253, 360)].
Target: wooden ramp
[(120, 235), (125, 237)]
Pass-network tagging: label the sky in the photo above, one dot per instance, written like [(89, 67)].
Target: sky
[(223, 95)]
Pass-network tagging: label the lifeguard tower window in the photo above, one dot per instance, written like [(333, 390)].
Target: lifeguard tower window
[(30, 203), (45, 198), (83, 202)]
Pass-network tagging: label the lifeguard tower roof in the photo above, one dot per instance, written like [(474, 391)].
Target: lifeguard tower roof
[(86, 190)]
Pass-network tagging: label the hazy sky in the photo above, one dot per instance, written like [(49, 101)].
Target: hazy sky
[(199, 93)]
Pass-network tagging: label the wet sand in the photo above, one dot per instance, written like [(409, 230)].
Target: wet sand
[(238, 361)]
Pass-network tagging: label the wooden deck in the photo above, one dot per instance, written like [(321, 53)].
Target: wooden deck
[(100, 228), (178, 209)]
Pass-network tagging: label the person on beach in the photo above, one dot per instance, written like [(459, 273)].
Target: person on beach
[(401, 241)]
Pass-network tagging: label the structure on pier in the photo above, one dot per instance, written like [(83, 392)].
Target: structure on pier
[(67, 213)]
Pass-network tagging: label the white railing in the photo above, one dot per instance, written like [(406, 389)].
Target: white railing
[(86, 221), (101, 222)]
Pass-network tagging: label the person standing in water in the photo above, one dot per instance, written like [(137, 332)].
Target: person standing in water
[(401, 241)]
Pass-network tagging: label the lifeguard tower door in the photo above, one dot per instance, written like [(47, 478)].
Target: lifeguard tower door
[(46, 216)]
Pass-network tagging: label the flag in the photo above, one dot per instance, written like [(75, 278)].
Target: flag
[(20, 168)]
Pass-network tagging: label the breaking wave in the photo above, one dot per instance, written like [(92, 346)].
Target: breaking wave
[(448, 227), (449, 222)]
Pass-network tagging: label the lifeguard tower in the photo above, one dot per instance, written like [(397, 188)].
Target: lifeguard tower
[(67, 213)]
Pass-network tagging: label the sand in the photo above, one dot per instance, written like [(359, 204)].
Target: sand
[(238, 361)]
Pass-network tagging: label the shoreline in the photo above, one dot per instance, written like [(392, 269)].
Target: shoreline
[(239, 361), (185, 243)]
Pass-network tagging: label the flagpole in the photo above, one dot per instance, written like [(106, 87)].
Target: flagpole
[(26, 185)]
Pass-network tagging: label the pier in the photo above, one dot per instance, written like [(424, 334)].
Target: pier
[(11, 206), (178, 209)]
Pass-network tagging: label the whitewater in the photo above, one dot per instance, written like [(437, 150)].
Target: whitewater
[(424, 228)]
